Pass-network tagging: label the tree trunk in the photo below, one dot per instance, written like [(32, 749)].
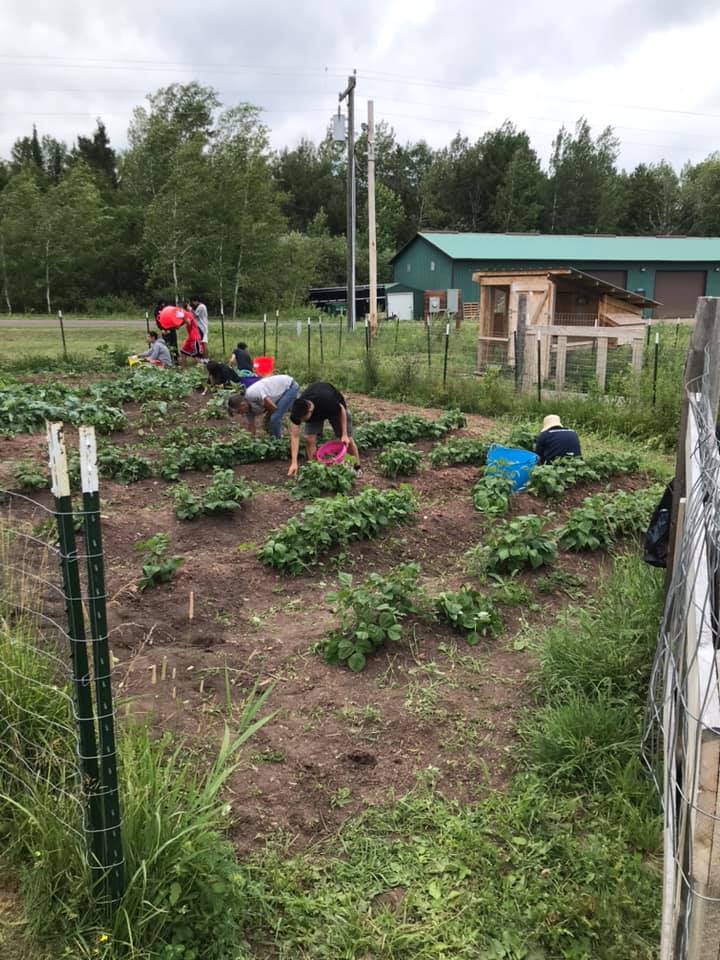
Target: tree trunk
[(174, 255), (175, 278), (3, 264), (47, 275), (236, 289), (220, 278)]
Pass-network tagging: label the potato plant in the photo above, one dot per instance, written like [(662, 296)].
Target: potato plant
[(31, 476), (607, 517), (551, 480), (407, 427), (225, 494), (470, 612), (157, 566), (399, 459), (204, 456), (513, 545), (315, 479), (371, 614), (491, 495), (325, 524), (118, 464), (460, 450)]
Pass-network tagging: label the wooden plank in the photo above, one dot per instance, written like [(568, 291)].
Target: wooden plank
[(621, 334), (560, 363), (601, 364), (704, 933)]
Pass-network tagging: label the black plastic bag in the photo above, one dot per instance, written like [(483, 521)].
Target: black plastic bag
[(657, 535)]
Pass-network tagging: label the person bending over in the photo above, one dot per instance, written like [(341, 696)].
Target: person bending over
[(221, 375), (555, 441), (316, 404), (271, 396)]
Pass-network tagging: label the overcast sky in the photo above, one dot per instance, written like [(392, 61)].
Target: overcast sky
[(648, 67)]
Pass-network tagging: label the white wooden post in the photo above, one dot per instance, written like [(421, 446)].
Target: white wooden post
[(601, 362), (638, 346), (560, 363)]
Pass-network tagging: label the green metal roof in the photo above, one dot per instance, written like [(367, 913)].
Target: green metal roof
[(544, 247)]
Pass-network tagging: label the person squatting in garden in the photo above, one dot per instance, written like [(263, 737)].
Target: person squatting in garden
[(203, 322), (157, 352), (316, 404), (241, 360), (555, 441), (271, 396)]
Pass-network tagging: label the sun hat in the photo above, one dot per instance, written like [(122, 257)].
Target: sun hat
[(551, 420)]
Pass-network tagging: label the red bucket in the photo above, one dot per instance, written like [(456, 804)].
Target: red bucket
[(331, 452), (263, 366)]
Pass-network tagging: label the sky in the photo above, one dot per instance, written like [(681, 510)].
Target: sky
[(432, 67)]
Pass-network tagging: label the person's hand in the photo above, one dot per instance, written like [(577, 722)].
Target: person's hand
[(292, 470), (345, 439)]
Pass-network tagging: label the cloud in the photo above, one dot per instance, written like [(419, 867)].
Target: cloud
[(432, 67)]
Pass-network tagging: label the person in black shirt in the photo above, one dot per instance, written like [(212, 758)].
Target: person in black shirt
[(555, 441), (316, 404), (220, 374), (240, 359)]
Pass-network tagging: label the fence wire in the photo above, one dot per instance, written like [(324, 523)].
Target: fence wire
[(682, 736), (54, 681)]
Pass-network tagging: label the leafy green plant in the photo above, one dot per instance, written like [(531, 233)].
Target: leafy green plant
[(217, 407), (322, 525), (522, 435), (225, 494), (551, 480), (407, 427), (371, 614), (30, 476), (460, 450), (120, 465), (243, 448), (470, 612), (512, 545), (315, 479), (399, 459), (606, 517), (491, 495), (157, 566)]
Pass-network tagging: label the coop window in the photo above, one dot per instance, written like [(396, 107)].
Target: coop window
[(409, 267), (432, 264)]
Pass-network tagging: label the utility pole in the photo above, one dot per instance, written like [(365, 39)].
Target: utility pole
[(349, 92), (371, 218)]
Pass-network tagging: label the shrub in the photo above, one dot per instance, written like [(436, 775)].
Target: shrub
[(328, 523), (469, 611), (371, 614), (30, 476), (399, 459)]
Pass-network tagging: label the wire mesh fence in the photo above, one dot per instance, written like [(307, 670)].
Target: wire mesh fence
[(57, 738), (682, 737)]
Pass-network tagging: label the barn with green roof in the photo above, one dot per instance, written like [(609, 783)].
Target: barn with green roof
[(673, 271)]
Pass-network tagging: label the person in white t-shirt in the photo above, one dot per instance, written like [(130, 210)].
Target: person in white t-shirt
[(201, 315), (272, 396)]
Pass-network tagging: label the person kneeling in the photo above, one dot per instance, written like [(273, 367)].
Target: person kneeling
[(555, 441), (316, 404), (158, 353)]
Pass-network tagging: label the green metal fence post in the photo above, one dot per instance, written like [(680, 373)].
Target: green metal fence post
[(428, 342), (367, 336), (447, 347), (308, 343), (340, 326), (62, 333), (397, 330), (655, 368), (87, 744), (264, 334), (222, 329), (539, 368), (322, 355), (277, 324), (110, 796)]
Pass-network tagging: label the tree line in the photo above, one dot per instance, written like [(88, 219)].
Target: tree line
[(199, 202)]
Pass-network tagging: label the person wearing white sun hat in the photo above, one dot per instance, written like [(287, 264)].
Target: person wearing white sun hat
[(555, 441)]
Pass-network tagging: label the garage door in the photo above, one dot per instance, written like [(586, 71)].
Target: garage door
[(400, 305), (618, 278), (677, 291)]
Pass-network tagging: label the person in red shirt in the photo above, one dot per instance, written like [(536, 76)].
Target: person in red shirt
[(192, 346)]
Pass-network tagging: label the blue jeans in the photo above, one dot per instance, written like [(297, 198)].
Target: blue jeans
[(283, 405)]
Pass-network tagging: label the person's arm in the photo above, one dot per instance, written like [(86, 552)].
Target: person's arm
[(294, 449), (269, 406), (146, 353), (250, 422), (232, 360), (540, 449), (344, 438)]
